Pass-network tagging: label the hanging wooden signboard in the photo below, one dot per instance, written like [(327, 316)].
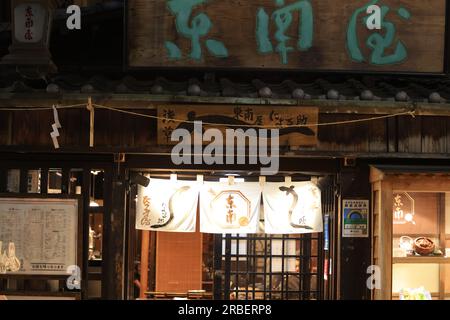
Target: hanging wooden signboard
[(288, 34), (292, 122)]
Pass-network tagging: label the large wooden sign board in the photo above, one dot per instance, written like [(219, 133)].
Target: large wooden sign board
[(287, 34), (45, 233), (292, 122)]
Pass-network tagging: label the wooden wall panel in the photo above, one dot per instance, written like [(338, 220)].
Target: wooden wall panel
[(409, 134), (377, 135), (145, 133), (102, 125), (127, 136), (26, 128), (392, 134), (422, 134), (115, 128), (70, 121), (447, 135), (5, 118), (347, 137), (434, 135), (84, 128), (46, 120)]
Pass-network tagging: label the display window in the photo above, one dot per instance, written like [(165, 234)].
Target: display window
[(411, 234)]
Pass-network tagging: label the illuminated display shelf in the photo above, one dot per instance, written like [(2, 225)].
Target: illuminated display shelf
[(413, 205)]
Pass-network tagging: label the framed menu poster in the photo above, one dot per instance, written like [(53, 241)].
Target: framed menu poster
[(45, 232)]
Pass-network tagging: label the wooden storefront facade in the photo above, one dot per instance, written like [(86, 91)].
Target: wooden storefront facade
[(345, 152), (371, 112)]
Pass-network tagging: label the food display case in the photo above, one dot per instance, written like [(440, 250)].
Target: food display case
[(411, 234)]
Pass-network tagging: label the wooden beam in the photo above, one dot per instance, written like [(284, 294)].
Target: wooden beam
[(145, 247), (441, 221), (422, 184), (41, 294), (3, 180), (375, 175)]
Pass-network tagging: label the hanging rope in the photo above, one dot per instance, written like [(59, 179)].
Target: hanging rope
[(32, 108), (411, 113)]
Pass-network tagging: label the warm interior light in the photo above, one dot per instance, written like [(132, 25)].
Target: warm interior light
[(236, 180), (93, 204)]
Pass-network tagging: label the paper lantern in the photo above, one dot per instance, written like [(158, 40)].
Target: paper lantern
[(31, 26)]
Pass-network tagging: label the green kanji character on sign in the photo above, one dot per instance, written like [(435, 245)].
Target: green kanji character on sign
[(377, 42), (194, 29), (283, 18)]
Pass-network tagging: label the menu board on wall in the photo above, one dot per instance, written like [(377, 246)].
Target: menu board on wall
[(44, 232)]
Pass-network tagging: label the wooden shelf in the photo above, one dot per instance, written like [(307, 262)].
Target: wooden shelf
[(38, 294), (170, 295), (439, 260)]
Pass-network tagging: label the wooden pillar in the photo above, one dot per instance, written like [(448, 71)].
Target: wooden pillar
[(3, 180), (382, 230), (5, 11), (442, 241), (86, 191), (113, 280), (4, 125), (218, 273), (145, 246), (385, 240), (355, 253), (23, 180)]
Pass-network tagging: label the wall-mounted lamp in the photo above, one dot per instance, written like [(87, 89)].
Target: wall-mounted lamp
[(136, 178)]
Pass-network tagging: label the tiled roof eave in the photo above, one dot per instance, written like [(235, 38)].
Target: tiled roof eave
[(150, 101)]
